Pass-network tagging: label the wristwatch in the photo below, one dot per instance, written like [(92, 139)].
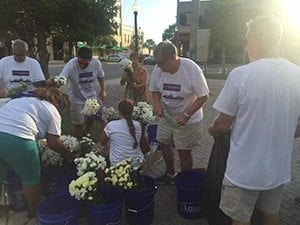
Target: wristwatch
[(186, 115)]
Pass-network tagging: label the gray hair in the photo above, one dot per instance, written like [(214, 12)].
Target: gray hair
[(166, 48), (19, 43), (268, 29)]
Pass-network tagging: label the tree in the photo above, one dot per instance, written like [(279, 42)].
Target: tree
[(72, 21), (169, 33), (227, 20), (150, 45)]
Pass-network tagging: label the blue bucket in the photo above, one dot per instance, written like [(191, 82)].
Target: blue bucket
[(140, 203), (62, 181), (106, 214), (190, 186), (48, 176), (151, 131), (14, 192), (59, 209)]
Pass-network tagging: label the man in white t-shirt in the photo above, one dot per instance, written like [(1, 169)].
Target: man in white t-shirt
[(179, 90), (260, 101), (18, 68), (83, 72)]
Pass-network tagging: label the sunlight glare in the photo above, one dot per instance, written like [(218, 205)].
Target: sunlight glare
[(292, 12)]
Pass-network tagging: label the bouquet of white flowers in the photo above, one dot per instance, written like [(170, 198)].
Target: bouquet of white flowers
[(109, 114), (143, 112), (59, 81), (50, 157), (84, 187), (90, 162), (92, 108), (126, 65), (120, 175)]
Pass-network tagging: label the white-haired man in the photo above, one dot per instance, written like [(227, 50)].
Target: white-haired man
[(18, 68), (260, 101)]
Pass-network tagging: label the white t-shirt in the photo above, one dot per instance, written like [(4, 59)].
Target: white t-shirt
[(82, 82), (121, 146), (13, 72), (264, 97), (179, 90), (29, 118)]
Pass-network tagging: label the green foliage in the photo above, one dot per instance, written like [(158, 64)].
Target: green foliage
[(227, 21), (150, 45), (169, 33)]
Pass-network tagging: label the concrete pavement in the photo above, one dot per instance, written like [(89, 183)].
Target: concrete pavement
[(165, 200)]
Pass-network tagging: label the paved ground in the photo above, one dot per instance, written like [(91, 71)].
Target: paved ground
[(165, 200)]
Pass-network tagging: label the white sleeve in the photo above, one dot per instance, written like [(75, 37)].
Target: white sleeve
[(100, 71), (54, 126), (37, 72), (227, 101), (199, 83), (67, 70)]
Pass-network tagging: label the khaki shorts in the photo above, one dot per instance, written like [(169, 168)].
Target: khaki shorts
[(183, 137), (76, 115), (239, 203)]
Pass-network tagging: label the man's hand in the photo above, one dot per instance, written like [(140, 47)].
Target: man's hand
[(102, 95), (182, 119)]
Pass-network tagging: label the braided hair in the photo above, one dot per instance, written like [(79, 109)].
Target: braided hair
[(126, 108)]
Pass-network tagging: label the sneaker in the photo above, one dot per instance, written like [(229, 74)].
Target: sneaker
[(166, 179), (297, 200)]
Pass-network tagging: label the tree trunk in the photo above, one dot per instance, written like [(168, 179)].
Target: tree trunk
[(44, 56), (223, 60)]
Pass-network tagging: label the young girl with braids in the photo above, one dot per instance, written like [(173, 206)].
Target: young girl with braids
[(126, 135)]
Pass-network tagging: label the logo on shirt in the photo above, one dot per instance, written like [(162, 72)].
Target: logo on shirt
[(171, 87), (22, 73), (83, 76)]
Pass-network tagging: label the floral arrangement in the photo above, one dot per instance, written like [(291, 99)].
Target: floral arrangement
[(84, 187), (92, 107), (91, 162), (22, 86), (109, 114), (126, 65), (50, 157), (143, 112), (59, 81), (122, 174)]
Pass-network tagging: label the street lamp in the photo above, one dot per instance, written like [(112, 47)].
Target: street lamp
[(135, 9)]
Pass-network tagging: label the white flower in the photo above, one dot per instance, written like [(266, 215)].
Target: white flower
[(90, 162), (84, 187), (126, 64), (60, 81), (143, 112), (91, 107), (109, 114)]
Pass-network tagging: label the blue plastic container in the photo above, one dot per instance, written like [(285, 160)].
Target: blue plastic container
[(14, 192), (62, 181), (106, 214), (190, 186), (140, 203), (58, 209), (151, 131)]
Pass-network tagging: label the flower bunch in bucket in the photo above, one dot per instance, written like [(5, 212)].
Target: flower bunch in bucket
[(93, 108), (143, 112), (52, 158), (109, 114), (89, 162), (123, 175), (84, 187)]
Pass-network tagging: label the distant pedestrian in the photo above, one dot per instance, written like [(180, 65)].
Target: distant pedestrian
[(136, 82), (179, 90), (260, 101), (83, 73), (19, 68)]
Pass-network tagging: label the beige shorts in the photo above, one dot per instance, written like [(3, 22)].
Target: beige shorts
[(183, 137), (76, 115), (239, 203)]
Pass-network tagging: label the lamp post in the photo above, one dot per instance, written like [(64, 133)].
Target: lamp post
[(135, 8)]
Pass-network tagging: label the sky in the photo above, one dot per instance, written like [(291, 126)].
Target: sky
[(154, 16)]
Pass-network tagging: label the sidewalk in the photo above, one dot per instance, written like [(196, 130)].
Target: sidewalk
[(165, 200)]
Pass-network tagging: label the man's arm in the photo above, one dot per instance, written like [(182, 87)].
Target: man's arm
[(102, 93), (221, 124), (186, 115), (158, 108)]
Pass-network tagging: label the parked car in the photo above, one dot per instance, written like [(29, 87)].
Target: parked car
[(150, 60), (112, 58)]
